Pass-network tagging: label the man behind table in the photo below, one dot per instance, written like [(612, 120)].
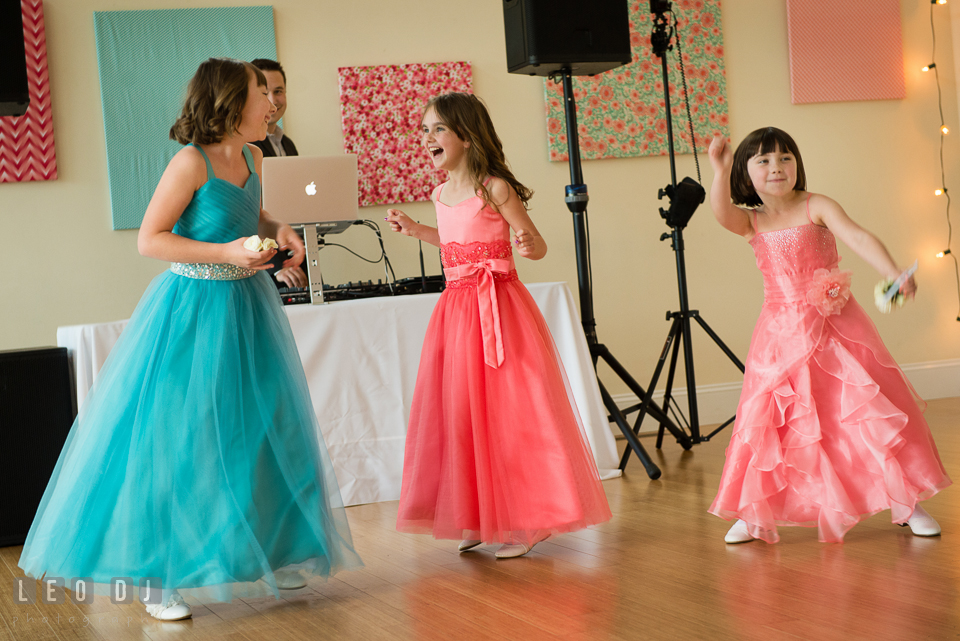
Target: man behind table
[(278, 144)]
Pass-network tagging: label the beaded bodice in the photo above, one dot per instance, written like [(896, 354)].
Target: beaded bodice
[(219, 213), (472, 232), (477, 256), (787, 258)]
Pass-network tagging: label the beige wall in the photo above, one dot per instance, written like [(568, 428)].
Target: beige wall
[(878, 159)]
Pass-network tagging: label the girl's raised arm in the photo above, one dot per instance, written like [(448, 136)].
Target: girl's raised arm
[(185, 174), (400, 222), (732, 218), (827, 212), (530, 244)]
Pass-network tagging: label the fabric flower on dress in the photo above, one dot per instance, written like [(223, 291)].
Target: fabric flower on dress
[(829, 290)]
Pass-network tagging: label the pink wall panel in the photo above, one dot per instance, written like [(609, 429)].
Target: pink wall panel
[(845, 50)]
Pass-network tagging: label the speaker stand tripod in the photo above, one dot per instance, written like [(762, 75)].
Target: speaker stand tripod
[(576, 199)]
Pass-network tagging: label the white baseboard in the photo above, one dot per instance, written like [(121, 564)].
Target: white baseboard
[(717, 403)]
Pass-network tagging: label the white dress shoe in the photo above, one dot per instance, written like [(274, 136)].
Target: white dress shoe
[(468, 544), (738, 533), (174, 609), (289, 580), (921, 523), (511, 551)]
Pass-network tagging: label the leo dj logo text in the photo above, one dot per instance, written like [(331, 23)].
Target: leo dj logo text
[(53, 590)]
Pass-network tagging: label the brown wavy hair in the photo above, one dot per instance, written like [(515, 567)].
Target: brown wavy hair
[(759, 142), (468, 118), (215, 97)]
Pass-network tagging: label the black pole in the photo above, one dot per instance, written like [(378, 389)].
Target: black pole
[(577, 198), (666, 105)]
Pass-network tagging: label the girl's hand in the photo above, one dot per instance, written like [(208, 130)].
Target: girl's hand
[(721, 154), (526, 243), (290, 240), (909, 288), (400, 222), (237, 254)]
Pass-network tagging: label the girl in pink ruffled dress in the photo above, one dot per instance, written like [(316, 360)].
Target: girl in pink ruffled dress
[(495, 450), (829, 431)]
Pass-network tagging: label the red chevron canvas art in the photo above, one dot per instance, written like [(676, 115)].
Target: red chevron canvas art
[(26, 143)]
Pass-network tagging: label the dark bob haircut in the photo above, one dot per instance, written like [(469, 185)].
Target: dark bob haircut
[(759, 142), (215, 97)]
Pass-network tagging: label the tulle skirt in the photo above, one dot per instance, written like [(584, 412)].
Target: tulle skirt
[(495, 454), (196, 458), (828, 432)]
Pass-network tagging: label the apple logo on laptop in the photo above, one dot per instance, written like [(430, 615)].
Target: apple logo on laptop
[(311, 189)]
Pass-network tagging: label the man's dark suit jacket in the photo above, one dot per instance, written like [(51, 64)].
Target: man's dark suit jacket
[(267, 148)]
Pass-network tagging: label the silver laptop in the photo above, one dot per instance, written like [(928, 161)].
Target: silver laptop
[(302, 190)]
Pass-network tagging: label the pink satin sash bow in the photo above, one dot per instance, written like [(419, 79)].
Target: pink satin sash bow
[(487, 300)]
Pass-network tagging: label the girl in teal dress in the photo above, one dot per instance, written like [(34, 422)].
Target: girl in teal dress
[(196, 460)]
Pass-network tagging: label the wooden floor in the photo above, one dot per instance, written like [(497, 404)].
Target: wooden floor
[(658, 570)]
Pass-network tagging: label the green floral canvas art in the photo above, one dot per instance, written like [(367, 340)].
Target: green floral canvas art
[(620, 113)]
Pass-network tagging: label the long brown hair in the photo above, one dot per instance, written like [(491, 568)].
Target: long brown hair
[(759, 142), (468, 118), (215, 97)]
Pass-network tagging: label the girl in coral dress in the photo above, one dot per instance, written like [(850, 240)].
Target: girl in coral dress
[(828, 431), (495, 450)]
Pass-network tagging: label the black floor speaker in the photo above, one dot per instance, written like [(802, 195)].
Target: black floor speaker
[(586, 36), (14, 98), (36, 412)]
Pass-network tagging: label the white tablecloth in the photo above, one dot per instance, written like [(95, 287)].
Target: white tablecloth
[(361, 359)]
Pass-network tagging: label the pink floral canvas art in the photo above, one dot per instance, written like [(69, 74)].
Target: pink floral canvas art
[(620, 113), (380, 110)]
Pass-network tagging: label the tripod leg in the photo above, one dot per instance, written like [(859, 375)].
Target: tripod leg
[(668, 391), (719, 342), (633, 442), (714, 432), (647, 398), (618, 369)]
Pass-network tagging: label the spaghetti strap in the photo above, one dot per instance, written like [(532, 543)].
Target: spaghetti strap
[(210, 174), (808, 208), (248, 156), (756, 230)]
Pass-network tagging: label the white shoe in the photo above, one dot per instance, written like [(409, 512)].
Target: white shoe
[(289, 580), (921, 523), (173, 610), (738, 533), (468, 544), (513, 551)]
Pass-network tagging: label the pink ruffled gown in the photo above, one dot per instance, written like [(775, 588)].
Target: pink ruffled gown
[(495, 450), (828, 430)]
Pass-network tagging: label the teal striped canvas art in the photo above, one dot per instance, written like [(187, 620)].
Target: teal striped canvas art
[(146, 59)]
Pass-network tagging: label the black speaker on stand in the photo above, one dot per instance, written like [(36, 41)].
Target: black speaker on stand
[(36, 413), (560, 39), (14, 97)]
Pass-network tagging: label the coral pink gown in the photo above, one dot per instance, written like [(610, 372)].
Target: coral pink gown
[(828, 430), (495, 450)]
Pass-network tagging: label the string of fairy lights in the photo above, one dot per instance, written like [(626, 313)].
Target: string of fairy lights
[(944, 130)]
